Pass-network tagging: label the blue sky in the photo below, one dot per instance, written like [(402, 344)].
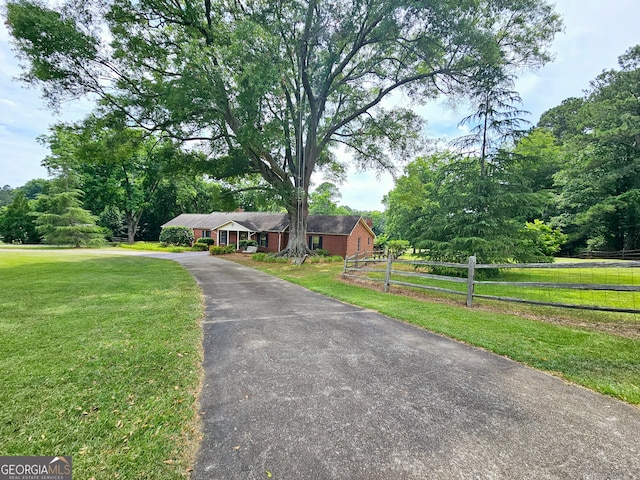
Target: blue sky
[(596, 33)]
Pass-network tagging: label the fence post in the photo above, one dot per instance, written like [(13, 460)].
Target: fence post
[(470, 277), (387, 276)]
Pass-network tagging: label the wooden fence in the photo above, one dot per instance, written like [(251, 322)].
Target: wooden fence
[(619, 255), (368, 263)]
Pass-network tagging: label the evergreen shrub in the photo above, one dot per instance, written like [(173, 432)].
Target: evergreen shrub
[(176, 236)]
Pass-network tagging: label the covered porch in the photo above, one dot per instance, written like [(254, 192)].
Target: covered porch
[(234, 232)]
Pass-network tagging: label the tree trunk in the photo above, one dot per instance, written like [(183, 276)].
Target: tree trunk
[(132, 226), (131, 233), (297, 247)]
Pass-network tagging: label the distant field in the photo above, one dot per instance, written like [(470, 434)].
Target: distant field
[(100, 359)]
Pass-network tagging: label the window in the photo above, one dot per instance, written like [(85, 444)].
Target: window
[(368, 241), (206, 233), (263, 240), (359, 244), (223, 237), (315, 242)]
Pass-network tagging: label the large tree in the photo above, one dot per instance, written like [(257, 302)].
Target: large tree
[(116, 167), (600, 182), (496, 119), (444, 205), (269, 87), (6, 195), (324, 200)]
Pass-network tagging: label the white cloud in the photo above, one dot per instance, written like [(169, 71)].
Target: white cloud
[(8, 103)]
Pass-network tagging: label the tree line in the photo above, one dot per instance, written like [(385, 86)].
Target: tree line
[(109, 180), (569, 184), (198, 99), (272, 88), (89, 204)]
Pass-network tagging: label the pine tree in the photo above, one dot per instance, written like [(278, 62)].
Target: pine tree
[(65, 222)]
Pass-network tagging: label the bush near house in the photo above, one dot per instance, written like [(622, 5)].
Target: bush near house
[(222, 250), (206, 241), (397, 247), (247, 243), (176, 236)]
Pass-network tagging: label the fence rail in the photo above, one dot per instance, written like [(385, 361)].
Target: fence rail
[(365, 263), (619, 255)]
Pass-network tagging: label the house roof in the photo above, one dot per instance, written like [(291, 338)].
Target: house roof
[(332, 224), (256, 221), (190, 220), (233, 225), (267, 222)]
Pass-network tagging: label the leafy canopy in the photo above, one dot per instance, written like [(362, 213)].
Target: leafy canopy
[(269, 87), (16, 221), (444, 206), (600, 137), (119, 168)]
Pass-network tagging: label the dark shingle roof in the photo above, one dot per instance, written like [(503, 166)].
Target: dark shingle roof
[(256, 221), (191, 220), (332, 224), (267, 222)]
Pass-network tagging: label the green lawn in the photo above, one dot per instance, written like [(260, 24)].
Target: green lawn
[(100, 359), (604, 362)]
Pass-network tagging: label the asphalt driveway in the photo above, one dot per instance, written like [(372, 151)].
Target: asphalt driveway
[(299, 386)]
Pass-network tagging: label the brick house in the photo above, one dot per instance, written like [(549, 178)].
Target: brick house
[(343, 235)]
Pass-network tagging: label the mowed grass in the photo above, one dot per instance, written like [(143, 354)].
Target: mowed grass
[(154, 247), (100, 359), (606, 363), (592, 276)]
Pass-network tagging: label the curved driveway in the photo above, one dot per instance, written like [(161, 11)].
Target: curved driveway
[(299, 386)]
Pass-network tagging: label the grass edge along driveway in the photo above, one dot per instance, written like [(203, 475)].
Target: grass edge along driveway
[(606, 363), (101, 359)]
